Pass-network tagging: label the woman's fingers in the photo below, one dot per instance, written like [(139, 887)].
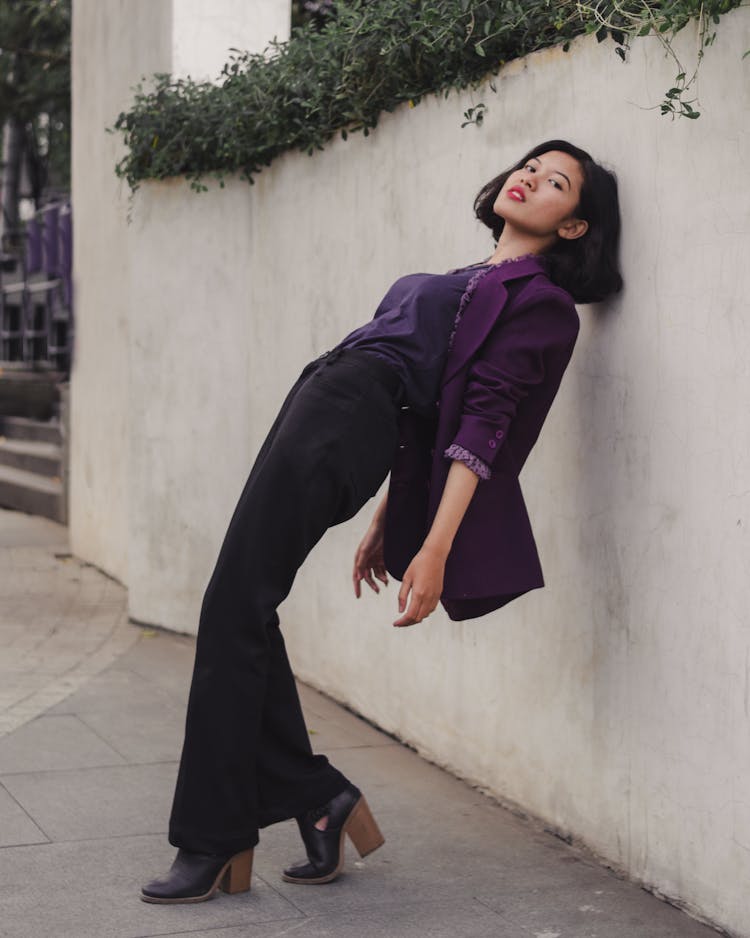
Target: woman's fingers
[(367, 577), (421, 587), (408, 618), (417, 611), (419, 607), (403, 593), (367, 572), (368, 561), (356, 576)]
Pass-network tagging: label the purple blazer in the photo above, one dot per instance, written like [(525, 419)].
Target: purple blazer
[(510, 350)]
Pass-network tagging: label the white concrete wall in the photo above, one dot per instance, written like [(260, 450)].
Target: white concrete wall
[(114, 44), (614, 703), (117, 43), (203, 32)]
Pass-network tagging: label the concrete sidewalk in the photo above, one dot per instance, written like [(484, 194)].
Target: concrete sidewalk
[(91, 712)]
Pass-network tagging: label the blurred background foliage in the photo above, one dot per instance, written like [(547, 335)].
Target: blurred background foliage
[(34, 102)]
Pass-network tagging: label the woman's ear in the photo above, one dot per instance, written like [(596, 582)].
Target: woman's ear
[(573, 228)]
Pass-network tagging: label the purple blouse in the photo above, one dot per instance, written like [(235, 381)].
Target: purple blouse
[(412, 330)]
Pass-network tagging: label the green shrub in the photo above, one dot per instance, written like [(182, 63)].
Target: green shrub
[(369, 58)]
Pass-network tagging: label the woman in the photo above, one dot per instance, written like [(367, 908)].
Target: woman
[(448, 387)]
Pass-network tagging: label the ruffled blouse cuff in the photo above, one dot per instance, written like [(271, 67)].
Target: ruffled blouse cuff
[(477, 465)]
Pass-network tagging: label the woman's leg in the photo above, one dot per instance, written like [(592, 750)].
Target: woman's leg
[(246, 757), (290, 778)]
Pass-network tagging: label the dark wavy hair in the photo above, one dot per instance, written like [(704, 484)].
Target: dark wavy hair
[(587, 266)]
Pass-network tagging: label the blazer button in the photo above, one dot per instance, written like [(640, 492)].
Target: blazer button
[(499, 434), (492, 444)]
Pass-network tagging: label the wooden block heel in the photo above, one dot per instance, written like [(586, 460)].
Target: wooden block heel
[(363, 829), (237, 875)]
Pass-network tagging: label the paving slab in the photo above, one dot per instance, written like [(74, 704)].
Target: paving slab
[(89, 889), (438, 919), (61, 620), (614, 910), (54, 742), (164, 661), (140, 721), (17, 529), (16, 827), (80, 804)]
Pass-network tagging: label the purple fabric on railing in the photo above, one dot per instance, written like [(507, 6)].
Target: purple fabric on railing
[(33, 246), (65, 234), (50, 252)]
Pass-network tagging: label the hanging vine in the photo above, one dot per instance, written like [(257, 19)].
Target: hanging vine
[(626, 19)]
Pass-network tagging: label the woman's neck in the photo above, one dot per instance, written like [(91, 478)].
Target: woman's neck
[(511, 244), (499, 258)]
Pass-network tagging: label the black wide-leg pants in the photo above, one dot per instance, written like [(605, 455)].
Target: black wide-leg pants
[(246, 759)]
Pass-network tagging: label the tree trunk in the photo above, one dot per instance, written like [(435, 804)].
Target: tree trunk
[(11, 173)]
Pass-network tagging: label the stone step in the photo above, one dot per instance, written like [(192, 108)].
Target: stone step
[(32, 456), (26, 393), (23, 428), (32, 493)]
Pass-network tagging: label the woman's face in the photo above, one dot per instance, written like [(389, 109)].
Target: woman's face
[(539, 199)]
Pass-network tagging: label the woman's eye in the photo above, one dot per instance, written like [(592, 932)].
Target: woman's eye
[(532, 169)]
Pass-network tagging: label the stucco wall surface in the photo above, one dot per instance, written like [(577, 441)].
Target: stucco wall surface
[(114, 44), (614, 703), (203, 32), (117, 44)]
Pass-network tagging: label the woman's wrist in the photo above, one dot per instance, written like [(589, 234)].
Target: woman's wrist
[(378, 519), (437, 548), (376, 531)]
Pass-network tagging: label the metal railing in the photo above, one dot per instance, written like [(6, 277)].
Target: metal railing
[(36, 291)]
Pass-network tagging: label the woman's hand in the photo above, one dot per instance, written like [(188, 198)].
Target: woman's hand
[(424, 581), (424, 575), (368, 559)]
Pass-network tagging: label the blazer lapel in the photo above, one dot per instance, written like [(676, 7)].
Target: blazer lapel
[(481, 311)]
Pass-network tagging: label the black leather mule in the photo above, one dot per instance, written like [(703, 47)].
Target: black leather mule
[(348, 813), (195, 877)]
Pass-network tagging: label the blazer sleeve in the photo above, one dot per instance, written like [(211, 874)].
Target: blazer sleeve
[(523, 351)]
